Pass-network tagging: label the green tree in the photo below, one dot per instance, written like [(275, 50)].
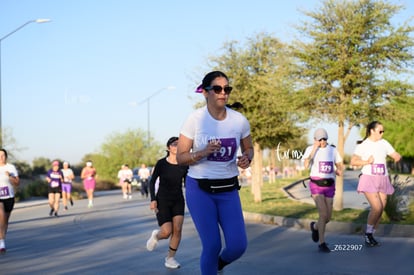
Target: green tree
[(130, 147), (24, 169), (41, 165), (350, 59), (261, 73), (399, 126), (9, 143)]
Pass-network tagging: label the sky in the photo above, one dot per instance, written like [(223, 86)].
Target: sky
[(100, 67)]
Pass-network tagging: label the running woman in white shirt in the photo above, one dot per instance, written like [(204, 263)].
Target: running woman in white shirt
[(9, 178), (325, 163), (374, 182), (209, 142), (125, 180), (68, 176), (144, 174)]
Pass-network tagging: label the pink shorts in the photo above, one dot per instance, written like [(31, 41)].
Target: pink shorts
[(327, 191), (89, 184), (375, 184)]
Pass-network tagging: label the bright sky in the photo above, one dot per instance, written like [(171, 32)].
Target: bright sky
[(69, 83)]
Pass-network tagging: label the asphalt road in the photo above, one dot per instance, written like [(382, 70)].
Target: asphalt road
[(110, 238)]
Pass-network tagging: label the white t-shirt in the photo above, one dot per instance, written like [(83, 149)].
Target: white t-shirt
[(6, 188), (124, 174), (144, 173), (379, 150), (201, 127), (323, 163), (66, 174)]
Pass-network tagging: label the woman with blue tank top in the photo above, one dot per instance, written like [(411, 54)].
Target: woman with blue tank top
[(209, 142)]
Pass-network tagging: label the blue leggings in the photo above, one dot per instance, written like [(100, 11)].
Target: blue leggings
[(208, 211)]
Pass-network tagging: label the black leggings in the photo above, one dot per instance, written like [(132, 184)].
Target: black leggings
[(144, 187)]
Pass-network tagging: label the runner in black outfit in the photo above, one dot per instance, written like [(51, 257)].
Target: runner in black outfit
[(168, 201)]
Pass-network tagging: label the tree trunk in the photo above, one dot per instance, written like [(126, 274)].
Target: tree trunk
[(339, 184), (257, 178), (272, 165)]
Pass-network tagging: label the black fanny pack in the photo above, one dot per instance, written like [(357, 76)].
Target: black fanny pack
[(219, 185), (324, 182)]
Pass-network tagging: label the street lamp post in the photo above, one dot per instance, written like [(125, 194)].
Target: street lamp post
[(148, 99), (1, 40)]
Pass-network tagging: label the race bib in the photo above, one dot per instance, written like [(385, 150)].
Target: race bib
[(4, 191), (54, 184), (226, 152), (325, 167), (378, 169)]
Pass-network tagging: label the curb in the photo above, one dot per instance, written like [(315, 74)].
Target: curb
[(384, 230)]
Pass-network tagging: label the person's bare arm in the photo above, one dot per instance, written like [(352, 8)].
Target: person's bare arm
[(246, 146)]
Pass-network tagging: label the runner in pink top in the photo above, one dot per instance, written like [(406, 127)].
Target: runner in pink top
[(88, 176)]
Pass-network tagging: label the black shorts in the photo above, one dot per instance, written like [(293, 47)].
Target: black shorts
[(167, 209), (54, 190), (8, 204)]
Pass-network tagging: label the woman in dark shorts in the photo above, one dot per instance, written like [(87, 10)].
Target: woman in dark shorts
[(168, 202), (54, 178), (9, 178)]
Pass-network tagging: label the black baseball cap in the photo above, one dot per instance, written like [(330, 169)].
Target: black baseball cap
[(171, 140)]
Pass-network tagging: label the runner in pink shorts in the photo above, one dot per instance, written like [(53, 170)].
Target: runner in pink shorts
[(371, 154), (325, 163)]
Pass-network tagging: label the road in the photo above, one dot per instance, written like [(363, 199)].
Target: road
[(110, 238)]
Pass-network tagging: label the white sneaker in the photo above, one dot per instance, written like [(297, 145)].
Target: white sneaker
[(170, 262), (152, 241), (125, 196), (129, 197)]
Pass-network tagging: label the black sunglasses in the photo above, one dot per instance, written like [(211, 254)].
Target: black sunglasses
[(381, 132), (323, 139), (217, 89)]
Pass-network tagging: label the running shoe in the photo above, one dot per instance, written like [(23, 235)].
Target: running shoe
[(152, 241), (170, 262), (2, 250), (71, 202), (66, 208), (90, 205), (315, 233), (369, 240), (56, 214), (51, 212), (324, 248)]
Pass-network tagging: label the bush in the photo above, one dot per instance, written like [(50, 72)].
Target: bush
[(37, 188), (105, 185), (397, 207)]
